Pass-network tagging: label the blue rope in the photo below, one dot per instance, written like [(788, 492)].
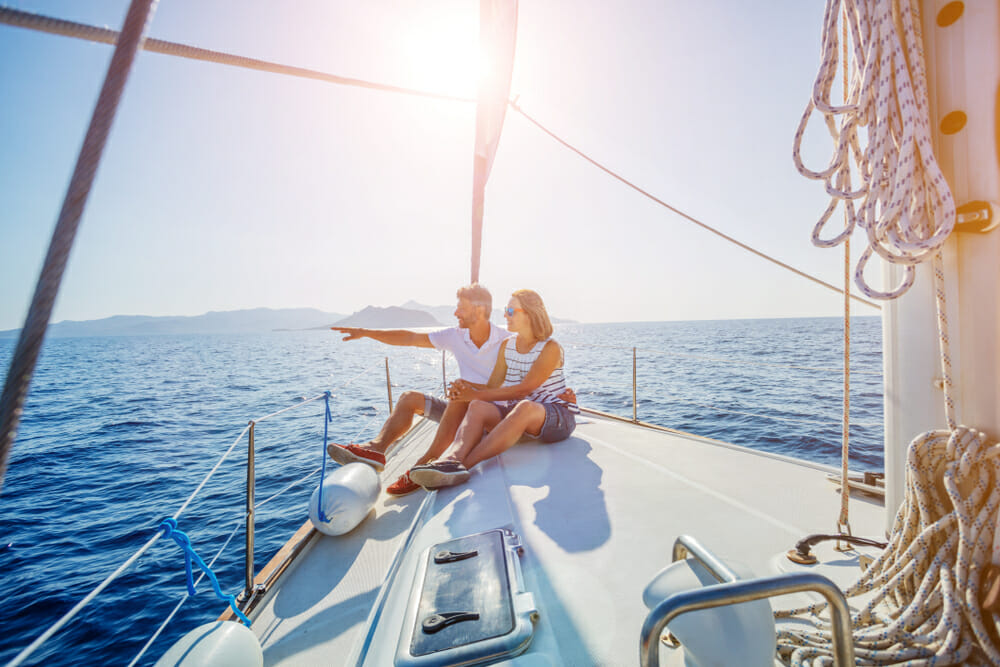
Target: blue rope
[(169, 528), (327, 419)]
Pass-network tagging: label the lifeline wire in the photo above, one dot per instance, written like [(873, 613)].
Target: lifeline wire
[(30, 649), (170, 529), (721, 359), (186, 596)]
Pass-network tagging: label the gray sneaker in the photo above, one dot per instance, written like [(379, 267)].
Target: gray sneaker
[(439, 474)]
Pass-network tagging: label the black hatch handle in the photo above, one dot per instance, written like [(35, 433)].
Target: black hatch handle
[(436, 622), (447, 556)]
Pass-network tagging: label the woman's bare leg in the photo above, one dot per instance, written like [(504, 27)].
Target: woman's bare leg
[(481, 416), (526, 416)]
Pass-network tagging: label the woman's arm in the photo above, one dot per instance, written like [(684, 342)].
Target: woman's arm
[(460, 389), (539, 372)]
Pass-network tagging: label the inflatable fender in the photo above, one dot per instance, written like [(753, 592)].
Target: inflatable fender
[(349, 493), (740, 634), (215, 644)]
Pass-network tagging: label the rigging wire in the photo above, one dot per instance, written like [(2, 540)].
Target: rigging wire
[(22, 19), (29, 344), (514, 105), (93, 33), (843, 521)]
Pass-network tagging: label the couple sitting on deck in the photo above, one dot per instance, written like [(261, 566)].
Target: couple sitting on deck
[(509, 386)]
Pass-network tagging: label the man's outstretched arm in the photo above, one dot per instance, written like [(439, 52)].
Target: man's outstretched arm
[(387, 336)]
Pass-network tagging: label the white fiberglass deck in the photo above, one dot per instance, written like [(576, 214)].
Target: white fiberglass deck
[(598, 515)]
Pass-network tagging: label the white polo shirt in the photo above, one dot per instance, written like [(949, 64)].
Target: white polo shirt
[(475, 364)]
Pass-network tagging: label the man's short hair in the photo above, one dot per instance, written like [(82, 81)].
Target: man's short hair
[(477, 295)]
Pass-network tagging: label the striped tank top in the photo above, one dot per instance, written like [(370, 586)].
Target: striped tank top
[(518, 365)]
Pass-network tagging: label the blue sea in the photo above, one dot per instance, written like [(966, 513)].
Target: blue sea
[(119, 431)]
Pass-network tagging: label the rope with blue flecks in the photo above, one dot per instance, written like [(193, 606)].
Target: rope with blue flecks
[(925, 586), (925, 605), (906, 206)]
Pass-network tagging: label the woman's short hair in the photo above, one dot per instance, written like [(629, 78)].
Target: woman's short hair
[(477, 295), (534, 308)]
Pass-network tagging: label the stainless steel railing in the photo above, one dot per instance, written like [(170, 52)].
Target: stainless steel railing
[(731, 590)]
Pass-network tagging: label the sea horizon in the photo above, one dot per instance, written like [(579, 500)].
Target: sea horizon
[(118, 430)]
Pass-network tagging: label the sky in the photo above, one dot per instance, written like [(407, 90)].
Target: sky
[(223, 188)]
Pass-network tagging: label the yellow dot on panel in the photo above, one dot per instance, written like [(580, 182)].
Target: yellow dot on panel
[(950, 13), (953, 122)]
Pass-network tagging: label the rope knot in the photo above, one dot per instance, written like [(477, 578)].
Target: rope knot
[(168, 526), (171, 530)]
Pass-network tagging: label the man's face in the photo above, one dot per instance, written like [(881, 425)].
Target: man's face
[(466, 313)]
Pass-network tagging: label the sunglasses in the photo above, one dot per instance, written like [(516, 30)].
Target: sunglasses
[(509, 312)]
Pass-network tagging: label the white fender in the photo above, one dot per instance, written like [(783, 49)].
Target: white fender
[(349, 493), (740, 634), (215, 644)]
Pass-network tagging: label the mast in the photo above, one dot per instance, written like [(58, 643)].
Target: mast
[(962, 54), (497, 40)]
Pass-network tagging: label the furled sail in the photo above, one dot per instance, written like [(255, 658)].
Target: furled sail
[(497, 39)]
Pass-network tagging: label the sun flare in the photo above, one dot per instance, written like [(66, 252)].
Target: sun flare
[(443, 55)]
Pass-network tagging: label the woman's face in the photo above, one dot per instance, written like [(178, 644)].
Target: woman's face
[(517, 319)]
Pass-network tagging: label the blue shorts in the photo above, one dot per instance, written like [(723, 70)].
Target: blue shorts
[(558, 425)]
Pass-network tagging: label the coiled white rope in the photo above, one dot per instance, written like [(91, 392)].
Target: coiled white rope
[(925, 606), (906, 206)]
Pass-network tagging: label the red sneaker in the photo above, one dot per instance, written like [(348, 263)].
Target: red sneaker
[(402, 486), (355, 453)]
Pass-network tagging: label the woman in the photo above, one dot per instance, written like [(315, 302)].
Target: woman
[(525, 395)]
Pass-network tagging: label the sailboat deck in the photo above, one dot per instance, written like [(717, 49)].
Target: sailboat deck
[(597, 514)]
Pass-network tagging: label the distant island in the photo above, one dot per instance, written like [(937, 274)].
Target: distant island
[(234, 321), (393, 317), (410, 315)]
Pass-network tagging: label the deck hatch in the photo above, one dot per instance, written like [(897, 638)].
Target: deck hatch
[(468, 604)]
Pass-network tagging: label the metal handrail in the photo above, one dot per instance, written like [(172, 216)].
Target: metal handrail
[(686, 545), (735, 591)]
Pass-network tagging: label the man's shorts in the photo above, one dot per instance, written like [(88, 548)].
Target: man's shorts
[(434, 407), (558, 425)]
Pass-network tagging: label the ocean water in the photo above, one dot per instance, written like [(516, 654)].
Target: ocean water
[(119, 431)]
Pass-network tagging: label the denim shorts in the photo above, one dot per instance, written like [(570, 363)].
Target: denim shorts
[(558, 425), (434, 407)]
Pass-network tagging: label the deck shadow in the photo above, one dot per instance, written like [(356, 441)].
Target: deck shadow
[(574, 513), (333, 557)]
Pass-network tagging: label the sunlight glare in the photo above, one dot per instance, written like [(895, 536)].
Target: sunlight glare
[(443, 54)]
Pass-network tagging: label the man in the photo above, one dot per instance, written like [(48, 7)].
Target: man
[(474, 343)]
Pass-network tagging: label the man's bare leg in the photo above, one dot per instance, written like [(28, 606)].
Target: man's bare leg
[(525, 417), (446, 430), (410, 403)]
